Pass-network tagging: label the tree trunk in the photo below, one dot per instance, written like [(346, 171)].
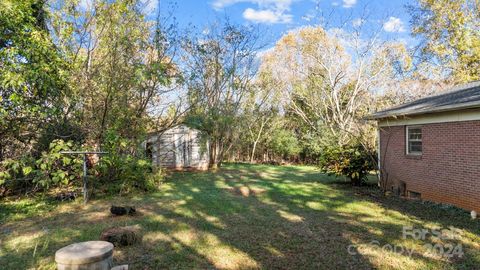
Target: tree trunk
[(215, 155), (212, 153), (256, 140), (252, 157)]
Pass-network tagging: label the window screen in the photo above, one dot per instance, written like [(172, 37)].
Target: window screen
[(414, 140)]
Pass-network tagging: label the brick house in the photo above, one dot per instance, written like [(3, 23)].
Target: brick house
[(430, 148)]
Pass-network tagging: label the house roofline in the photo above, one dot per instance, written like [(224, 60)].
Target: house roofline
[(396, 111), (449, 108)]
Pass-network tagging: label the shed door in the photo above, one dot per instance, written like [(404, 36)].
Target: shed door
[(186, 151)]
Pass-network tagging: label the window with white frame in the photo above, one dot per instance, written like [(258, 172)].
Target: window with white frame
[(414, 140)]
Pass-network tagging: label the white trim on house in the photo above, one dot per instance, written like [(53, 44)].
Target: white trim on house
[(379, 162), (455, 116)]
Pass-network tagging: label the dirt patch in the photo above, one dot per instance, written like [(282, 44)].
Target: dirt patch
[(246, 191)]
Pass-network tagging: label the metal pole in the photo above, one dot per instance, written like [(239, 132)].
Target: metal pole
[(85, 180), (85, 191)]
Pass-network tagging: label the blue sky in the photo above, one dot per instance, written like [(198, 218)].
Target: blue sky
[(276, 17)]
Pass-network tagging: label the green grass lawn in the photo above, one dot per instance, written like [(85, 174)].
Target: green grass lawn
[(246, 217)]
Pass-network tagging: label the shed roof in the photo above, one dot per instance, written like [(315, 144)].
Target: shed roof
[(460, 97), (178, 128)]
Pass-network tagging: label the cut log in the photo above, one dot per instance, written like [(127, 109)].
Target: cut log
[(66, 196), (122, 210), (122, 236)]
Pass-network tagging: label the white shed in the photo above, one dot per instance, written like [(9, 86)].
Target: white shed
[(178, 148)]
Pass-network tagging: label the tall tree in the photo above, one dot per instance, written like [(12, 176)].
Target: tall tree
[(328, 77), (121, 64), (261, 113), (32, 76), (220, 65), (450, 33)]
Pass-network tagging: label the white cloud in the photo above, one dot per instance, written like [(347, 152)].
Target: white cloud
[(308, 17), (394, 24), (358, 22), (349, 3), (311, 14), (268, 11), (219, 4), (280, 4), (266, 16), (150, 5)]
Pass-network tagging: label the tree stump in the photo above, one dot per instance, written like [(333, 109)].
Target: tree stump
[(122, 210), (66, 196), (91, 255), (122, 236)]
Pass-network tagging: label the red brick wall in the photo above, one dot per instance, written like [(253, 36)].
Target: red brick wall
[(448, 170)]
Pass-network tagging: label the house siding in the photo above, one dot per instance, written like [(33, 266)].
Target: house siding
[(448, 171)]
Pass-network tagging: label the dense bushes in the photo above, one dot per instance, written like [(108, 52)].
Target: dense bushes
[(48, 92), (284, 143), (353, 161), (57, 169), (123, 169), (51, 169), (117, 172), (125, 173)]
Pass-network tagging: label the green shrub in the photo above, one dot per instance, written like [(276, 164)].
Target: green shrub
[(352, 161), (285, 143), (16, 174), (52, 169), (57, 169), (119, 171), (122, 171)]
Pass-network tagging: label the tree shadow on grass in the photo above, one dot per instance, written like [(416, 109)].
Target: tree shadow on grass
[(241, 217), (259, 230), (32, 243), (293, 216), (460, 229)]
